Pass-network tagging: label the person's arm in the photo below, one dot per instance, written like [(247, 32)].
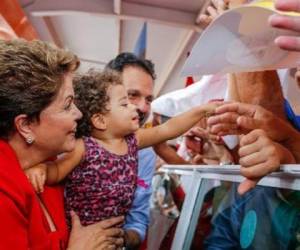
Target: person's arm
[(174, 127), (260, 156), (137, 219), (291, 23), (60, 168), (168, 154)]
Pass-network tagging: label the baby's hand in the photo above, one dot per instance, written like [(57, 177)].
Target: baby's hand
[(211, 106), (37, 176)]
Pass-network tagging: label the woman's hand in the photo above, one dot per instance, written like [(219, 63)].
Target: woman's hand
[(37, 175), (103, 235)]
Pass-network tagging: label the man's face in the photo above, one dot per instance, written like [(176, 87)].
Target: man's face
[(139, 86)]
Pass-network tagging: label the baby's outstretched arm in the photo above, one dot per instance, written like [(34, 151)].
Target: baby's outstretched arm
[(53, 172), (175, 126), (65, 164)]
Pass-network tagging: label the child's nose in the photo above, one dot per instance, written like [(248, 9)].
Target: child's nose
[(133, 107)]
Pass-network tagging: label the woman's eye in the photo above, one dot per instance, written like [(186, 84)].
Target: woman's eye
[(125, 104), (68, 106)]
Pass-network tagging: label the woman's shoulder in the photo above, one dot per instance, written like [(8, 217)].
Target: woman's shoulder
[(13, 181)]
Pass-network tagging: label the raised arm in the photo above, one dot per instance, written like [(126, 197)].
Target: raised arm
[(59, 169), (173, 127)]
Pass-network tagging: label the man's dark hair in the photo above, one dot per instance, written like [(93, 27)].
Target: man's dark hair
[(129, 59)]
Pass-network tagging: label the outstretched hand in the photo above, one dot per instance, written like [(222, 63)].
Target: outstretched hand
[(240, 118)]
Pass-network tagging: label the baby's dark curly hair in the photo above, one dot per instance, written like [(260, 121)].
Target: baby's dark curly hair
[(91, 96)]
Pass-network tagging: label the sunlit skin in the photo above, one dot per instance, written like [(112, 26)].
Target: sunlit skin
[(122, 117), (60, 120)]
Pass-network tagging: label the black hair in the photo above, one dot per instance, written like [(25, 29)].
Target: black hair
[(126, 59)]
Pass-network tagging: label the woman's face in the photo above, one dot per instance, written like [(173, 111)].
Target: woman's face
[(54, 133)]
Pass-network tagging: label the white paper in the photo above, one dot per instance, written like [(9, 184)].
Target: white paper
[(240, 40)]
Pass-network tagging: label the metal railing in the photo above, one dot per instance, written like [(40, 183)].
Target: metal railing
[(287, 177)]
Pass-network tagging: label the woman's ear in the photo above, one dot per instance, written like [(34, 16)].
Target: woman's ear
[(99, 121), (22, 125)]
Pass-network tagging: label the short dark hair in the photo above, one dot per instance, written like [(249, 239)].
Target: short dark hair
[(91, 96), (31, 74), (127, 59)]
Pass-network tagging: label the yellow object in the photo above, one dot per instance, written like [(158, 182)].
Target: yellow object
[(269, 4)]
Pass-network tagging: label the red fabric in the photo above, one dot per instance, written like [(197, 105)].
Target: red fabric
[(178, 196), (189, 81), (23, 224)]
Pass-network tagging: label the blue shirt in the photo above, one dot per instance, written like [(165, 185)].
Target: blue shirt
[(138, 216), (292, 117)]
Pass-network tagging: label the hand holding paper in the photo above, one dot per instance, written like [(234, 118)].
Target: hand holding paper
[(291, 43), (241, 40)]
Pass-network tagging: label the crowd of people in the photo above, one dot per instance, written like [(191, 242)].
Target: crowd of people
[(76, 165)]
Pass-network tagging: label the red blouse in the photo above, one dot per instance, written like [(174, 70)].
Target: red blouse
[(23, 224)]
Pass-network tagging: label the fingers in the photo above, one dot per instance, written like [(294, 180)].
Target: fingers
[(246, 185), (234, 118), (220, 5), (110, 222), (197, 159), (285, 22), (227, 117), (110, 242), (41, 182), (216, 8), (212, 12), (289, 43), (248, 123), (113, 232), (287, 5), (251, 159), (250, 138), (34, 181), (198, 132), (75, 221), (237, 107), (259, 170), (204, 20)]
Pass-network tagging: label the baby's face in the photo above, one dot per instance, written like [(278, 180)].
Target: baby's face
[(122, 116)]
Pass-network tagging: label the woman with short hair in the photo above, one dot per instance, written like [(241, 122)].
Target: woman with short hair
[(38, 121)]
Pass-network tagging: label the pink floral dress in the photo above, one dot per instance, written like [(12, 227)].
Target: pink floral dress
[(103, 185)]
